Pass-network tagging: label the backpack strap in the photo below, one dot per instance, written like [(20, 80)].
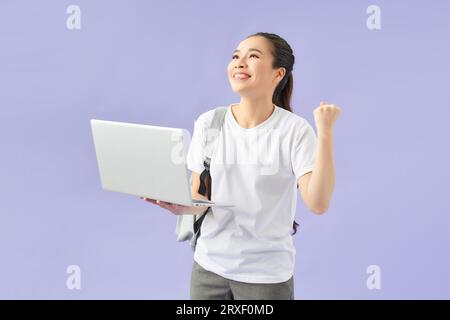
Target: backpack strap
[(210, 134), (205, 177), (188, 226)]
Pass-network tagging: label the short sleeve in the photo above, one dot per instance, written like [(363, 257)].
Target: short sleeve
[(194, 159), (304, 150)]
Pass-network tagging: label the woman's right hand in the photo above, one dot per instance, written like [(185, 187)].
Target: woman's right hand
[(176, 209)]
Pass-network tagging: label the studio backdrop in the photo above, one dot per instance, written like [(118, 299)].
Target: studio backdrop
[(385, 63)]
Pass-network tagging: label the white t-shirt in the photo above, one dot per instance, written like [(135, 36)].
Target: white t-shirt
[(252, 241)]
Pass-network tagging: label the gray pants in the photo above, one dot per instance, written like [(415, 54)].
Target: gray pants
[(206, 285)]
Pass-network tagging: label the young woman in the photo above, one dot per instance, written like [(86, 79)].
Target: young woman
[(247, 251)]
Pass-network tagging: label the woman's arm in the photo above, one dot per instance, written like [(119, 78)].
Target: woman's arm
[(320, 185), (196, 195)]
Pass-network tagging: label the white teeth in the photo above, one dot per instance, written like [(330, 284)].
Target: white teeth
[(241, 76)]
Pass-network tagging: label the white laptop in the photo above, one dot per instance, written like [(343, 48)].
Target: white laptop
[(145, 161)]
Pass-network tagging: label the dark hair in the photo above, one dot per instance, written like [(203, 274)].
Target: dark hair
[(283, 58)]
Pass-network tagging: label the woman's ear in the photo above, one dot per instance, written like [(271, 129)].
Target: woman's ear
[(281, 73)]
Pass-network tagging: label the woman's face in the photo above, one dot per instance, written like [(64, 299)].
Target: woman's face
[(254, 59)]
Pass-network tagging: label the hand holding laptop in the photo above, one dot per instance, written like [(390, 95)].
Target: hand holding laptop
[(177, 209)]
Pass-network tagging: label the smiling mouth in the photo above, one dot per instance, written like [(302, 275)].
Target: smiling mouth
[(241, 76)]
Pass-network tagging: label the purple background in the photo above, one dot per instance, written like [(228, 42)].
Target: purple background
[(164, 63)]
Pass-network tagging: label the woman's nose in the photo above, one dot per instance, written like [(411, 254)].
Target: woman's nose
[(240, 64)]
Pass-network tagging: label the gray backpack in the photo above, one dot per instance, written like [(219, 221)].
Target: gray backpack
[(188, 225)]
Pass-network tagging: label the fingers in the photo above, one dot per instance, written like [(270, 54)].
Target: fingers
[(158, 202), (149, 200), (330, 104), (163, 204), (172, 207)]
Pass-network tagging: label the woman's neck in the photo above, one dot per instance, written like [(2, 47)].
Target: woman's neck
[(251, 112)]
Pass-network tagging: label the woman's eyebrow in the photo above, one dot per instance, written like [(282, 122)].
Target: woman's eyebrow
[(251, 49)]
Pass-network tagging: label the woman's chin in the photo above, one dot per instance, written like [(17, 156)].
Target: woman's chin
[(239, 88)]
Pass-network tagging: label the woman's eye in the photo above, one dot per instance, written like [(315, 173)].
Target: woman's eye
[(254, 55)]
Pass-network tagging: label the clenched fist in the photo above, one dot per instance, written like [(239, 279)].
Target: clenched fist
[(325, 116)]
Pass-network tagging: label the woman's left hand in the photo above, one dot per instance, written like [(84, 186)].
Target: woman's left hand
[(325, 116)]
